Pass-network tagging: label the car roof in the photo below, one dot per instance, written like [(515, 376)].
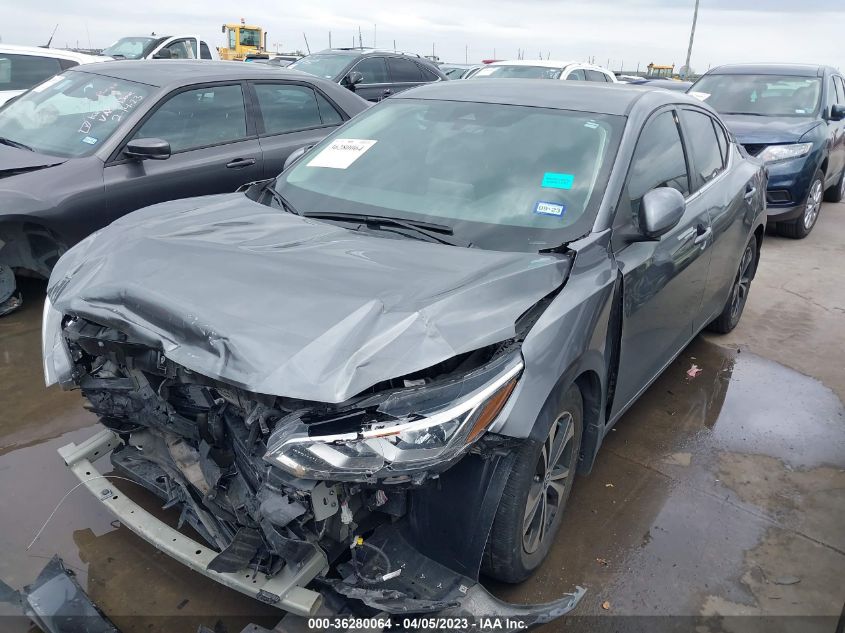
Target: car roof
[(361, 51), (603, 98), (167, 72), (40, 51), (798, 70), (543, 63)]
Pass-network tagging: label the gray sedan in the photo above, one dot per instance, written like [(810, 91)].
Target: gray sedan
[(384, 369), (95, 142)]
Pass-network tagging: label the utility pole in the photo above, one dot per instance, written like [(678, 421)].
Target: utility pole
[(360, 39), (466, 53), (330, 39), (374, 35), (691, 37), (308, 48)]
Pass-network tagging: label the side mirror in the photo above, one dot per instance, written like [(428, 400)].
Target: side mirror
[(354, 78), (144, 148), (164, 53), (837, 112), (660, 210), (295, 155)]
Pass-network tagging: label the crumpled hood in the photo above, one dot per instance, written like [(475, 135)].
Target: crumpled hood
[(767, 129), (283, 305), (14, 160)]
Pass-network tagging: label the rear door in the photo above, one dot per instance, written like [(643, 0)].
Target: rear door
[(663, 281), (214, 150), (288, 116), (375, 84)]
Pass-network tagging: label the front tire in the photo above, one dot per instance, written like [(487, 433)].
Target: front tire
[(536, 492), (731, 313), (800, 227)]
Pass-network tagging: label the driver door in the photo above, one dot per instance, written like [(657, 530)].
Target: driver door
[(663, 281)]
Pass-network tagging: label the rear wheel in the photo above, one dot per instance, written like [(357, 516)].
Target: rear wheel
[(10, 297), (535, 495), (801, 226), (837, 192), (735, 304)]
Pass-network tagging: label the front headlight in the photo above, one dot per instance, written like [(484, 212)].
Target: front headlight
[(775, 153), (400, 447), (57, 362)]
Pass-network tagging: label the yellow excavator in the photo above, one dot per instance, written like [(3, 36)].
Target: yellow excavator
[(244, 42)]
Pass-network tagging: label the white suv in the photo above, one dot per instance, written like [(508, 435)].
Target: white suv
[(22, 67), (546, 69)]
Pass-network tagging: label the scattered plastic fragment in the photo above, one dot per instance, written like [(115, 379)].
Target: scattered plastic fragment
[(608, 485), (786, 580), (605, 605), (603, 562), (694, 370)]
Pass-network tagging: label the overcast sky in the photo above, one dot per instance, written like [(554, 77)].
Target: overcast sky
[(629, 31)]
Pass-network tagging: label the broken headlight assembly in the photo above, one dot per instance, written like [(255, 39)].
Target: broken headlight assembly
[(57, 362), (410, 442)]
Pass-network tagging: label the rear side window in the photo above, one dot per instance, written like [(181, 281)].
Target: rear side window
[(428, 74), (205, 53), (286, 108), (595, 75), (22, 72), (577, 75), (658, 160), (404, 70), (328, 113), (199, 118), (703, 145), (373, 69)]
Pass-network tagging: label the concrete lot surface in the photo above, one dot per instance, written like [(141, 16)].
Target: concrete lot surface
[(722, 494)]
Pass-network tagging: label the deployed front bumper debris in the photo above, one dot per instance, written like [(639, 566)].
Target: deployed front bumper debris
[(57, 604), (385, 571)]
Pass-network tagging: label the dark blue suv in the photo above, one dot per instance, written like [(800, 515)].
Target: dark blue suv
[(791, 117)]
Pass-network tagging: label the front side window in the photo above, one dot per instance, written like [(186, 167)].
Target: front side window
[(519, 72), (198, 118), (71, 114), (504, 177), (182, 49), (595, 75), (577, 75), (703, 144), (205, 53), (403, 70), (286, 108), (840, 89), (22, 72), (658, 161), (760, 95), (373, 69)]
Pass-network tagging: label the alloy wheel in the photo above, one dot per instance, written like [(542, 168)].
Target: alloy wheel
[(814, 204), (743, 283), (548, 489)]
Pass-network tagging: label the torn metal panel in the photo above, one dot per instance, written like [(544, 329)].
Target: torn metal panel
[(57, 604), (327, 312)]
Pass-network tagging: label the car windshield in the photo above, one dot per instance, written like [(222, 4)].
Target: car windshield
[(519, 72), (70, 114), (325, 66), (764, 95), (129, 47), (503, 177)]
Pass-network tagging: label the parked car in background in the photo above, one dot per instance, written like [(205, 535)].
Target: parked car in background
[(101, 140), (545, 69), (161, 47), (397, 355), (373, 74), (792, 117), (667, 83), (459, 71), (22, 67)]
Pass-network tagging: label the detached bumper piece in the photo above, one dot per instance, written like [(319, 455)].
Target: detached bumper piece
[(286, 590), (390, 575)]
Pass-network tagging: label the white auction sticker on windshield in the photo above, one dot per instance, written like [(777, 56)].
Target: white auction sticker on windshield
[(341, 153)]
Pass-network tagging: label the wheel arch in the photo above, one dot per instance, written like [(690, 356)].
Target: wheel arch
[(29, 245)]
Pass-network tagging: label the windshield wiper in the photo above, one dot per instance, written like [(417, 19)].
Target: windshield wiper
[(431, 230), (287, 206), (11, 143)]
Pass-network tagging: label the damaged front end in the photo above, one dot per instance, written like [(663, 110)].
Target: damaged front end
[(385, 498)]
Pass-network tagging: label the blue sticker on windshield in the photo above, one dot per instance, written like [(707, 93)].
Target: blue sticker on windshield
[(552, 180), (90, 140), (549, 208)]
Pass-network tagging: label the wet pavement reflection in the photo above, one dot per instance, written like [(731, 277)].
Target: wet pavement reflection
[(709, 493)]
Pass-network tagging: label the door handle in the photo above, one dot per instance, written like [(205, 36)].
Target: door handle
[(240, 163), (750, 190), (703, 235)]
